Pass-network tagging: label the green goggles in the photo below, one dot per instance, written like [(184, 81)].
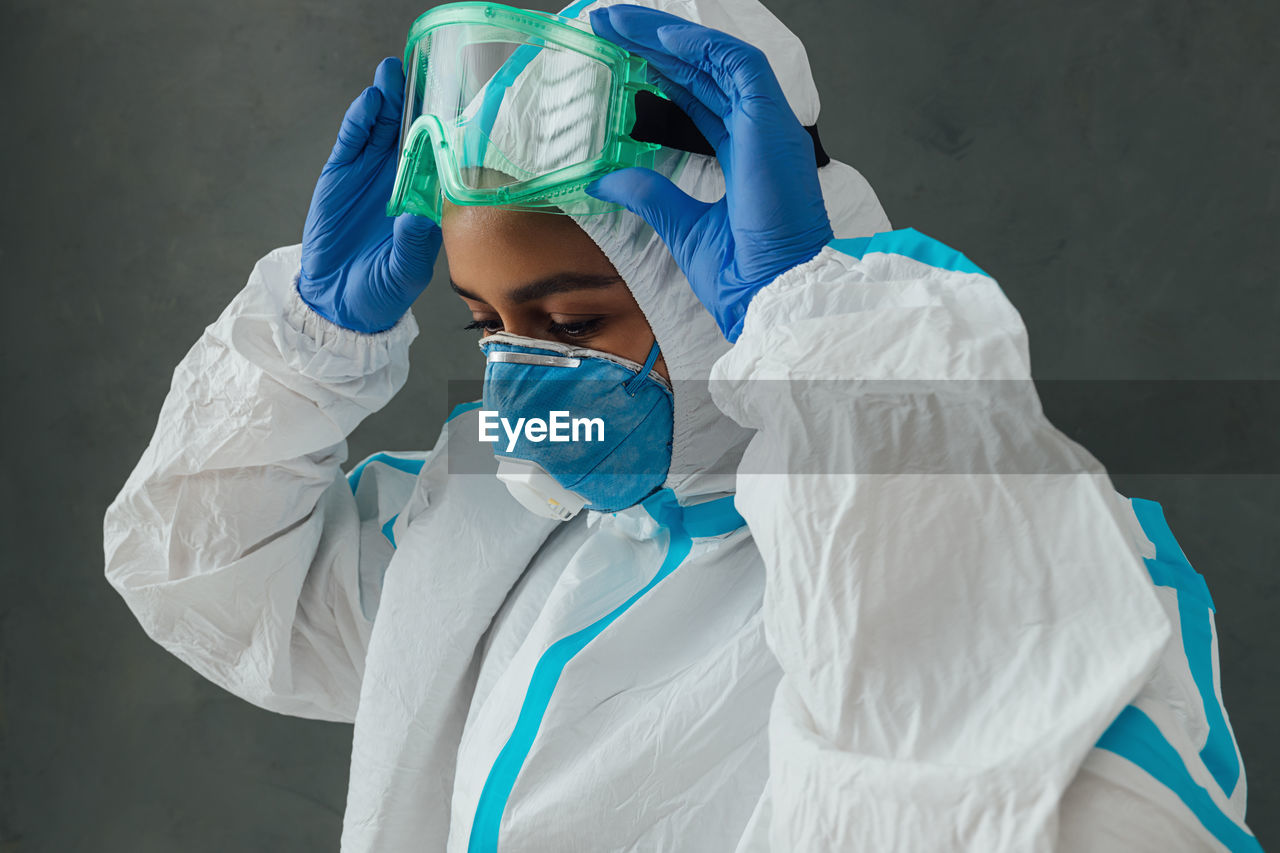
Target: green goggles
[(517, 108)]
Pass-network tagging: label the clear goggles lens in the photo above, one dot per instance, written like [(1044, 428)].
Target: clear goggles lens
[(508, 110)]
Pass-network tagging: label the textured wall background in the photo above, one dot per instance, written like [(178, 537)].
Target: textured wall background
[(1114, 165)]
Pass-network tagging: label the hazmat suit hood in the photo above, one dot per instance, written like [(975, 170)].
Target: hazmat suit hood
[(707, 444)]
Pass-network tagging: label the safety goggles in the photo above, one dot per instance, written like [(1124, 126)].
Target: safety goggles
[(516, 108)]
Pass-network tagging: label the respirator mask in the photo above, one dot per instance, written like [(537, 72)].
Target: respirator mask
[(572, 427)]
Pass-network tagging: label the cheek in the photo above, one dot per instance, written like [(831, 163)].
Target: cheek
[(630, 337)]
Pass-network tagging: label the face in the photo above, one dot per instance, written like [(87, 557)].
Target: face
[(539, 275)]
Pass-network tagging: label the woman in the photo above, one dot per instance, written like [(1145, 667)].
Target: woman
[(872, 600)]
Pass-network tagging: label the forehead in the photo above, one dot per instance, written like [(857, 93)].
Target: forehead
[(491, 248), (496, 225)]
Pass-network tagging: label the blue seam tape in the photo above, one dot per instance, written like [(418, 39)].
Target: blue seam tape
[(1134, 737), (409, 466), (1219, 752), (463, 408), (573, 10), (713, 518), (476, 140), (1170, 568), (546, 674), (1174, 569), (387, 529), (909, 243)]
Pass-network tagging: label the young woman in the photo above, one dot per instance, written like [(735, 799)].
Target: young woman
[(855, 593)]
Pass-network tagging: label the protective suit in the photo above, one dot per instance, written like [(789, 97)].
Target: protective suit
[(766, 654)]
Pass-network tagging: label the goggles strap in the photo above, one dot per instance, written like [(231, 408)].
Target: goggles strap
[(661, 121)]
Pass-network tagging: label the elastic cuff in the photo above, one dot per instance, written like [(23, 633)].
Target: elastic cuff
[(765, 307), (323, 350)]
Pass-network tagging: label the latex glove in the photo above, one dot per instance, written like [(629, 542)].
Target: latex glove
[(361, 269), (772, 216)]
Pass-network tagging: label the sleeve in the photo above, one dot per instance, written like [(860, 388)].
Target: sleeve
[(952, 590), (237, 541)]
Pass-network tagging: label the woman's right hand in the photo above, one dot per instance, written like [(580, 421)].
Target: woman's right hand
[(361, 269)]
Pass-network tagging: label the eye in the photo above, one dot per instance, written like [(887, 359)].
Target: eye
[(578, 329), (489, 326)]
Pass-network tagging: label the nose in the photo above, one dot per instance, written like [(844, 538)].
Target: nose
[(526, 327)]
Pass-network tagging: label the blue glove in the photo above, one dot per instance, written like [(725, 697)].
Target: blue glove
[(772, 216), (361, 269)]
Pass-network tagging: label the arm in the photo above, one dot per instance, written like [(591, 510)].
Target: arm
[(956, 603), (953, 592), (236, 540)]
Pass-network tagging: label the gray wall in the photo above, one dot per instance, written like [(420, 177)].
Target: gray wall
[(1114, 165)]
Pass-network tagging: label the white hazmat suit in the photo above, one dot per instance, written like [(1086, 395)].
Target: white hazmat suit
[(901, 660)]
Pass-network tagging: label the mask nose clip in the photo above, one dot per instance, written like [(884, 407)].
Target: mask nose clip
[(633, 385)]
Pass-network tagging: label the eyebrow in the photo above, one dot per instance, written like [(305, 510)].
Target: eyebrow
[(561, 282)]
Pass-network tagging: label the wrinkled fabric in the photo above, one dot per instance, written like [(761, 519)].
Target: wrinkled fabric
[(807, 640)]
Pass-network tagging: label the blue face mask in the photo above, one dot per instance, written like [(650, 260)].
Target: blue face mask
[(574, 427)]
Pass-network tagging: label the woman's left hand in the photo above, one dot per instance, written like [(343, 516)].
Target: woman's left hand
[(772, 216)]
